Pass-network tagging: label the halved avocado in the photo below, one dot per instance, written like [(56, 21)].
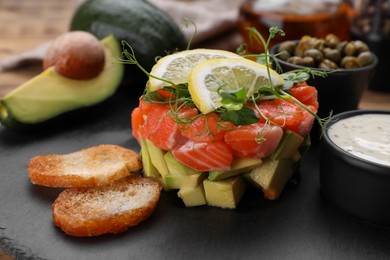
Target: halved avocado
[(49, 94)]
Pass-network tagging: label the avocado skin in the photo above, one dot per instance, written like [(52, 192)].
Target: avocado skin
[(149, 31)]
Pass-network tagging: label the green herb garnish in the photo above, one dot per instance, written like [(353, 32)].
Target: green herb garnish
[(233, 102)]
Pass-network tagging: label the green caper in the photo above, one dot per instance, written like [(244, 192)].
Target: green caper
[(288, 46), (301, 48), (317, 43), (328, 53), (340, 46), (350, 62), (296, 60), (332, 54), (360, 46), (327, 65), (315, 54), (305, 44), (350, 49), (308, 61), (331, 40), (365, 58)]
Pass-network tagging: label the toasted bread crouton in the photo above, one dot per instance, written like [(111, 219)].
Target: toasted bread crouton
[(94, 166), (106, 209)]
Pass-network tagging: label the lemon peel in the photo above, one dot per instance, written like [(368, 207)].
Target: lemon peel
[(176, 67)]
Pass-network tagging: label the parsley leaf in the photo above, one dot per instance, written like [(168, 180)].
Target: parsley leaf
[(233, 99), (244, 116)]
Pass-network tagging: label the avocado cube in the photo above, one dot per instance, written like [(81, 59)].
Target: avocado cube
[(157, 158), (239, 165), (271, 176), (305, 145), (178, 181), (224, 193), (289, 144), (192, 196), (148, 168), (175, 167)]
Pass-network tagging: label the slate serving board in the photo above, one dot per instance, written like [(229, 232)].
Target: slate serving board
[(298, 226)]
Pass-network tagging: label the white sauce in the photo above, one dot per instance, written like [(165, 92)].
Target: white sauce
[(366, 136)]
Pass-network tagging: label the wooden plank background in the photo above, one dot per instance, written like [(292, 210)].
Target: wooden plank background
[(25, 25)]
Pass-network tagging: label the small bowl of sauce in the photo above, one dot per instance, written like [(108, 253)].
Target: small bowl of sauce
[(355, 164)]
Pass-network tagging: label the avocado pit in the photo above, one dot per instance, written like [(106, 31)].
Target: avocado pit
[(76, 55)]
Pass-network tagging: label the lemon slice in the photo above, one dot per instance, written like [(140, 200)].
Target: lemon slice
[(207, 77), (177, 66)]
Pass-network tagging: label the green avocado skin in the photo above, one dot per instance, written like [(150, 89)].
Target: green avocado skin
[(149, 31)]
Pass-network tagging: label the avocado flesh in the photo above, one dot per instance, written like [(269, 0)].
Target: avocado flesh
[(180, 175), (157, 158), (179, 181), (175, 167), (289, 144), (148, 168), (271, 176), (50, 94), (192, 196), (225, 193), (239, 165)]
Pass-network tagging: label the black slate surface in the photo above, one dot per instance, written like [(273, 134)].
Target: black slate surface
[(298, 226)]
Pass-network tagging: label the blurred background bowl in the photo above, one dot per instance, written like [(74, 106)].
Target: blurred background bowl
[(339, 91), (370, 23), (365, 20), (296, 18), (358, 186)]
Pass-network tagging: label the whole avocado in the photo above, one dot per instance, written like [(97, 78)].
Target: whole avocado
[(147, 29)]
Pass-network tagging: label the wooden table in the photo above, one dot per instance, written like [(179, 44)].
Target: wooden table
[(20, 31)]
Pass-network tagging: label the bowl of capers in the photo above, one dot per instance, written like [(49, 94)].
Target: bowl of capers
[(342, 69)]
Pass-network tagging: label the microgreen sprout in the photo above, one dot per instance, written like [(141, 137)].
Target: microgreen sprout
[(233, 99), (290, 78), (186, 24), (234, 108), (130, 58)]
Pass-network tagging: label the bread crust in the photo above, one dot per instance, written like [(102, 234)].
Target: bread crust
[(113, 208), (93, 166)]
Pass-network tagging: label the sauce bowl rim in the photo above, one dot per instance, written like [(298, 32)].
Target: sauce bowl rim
[(349, 114)]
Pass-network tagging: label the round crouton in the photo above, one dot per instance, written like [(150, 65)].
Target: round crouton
[(106, 209), (94, 166)]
